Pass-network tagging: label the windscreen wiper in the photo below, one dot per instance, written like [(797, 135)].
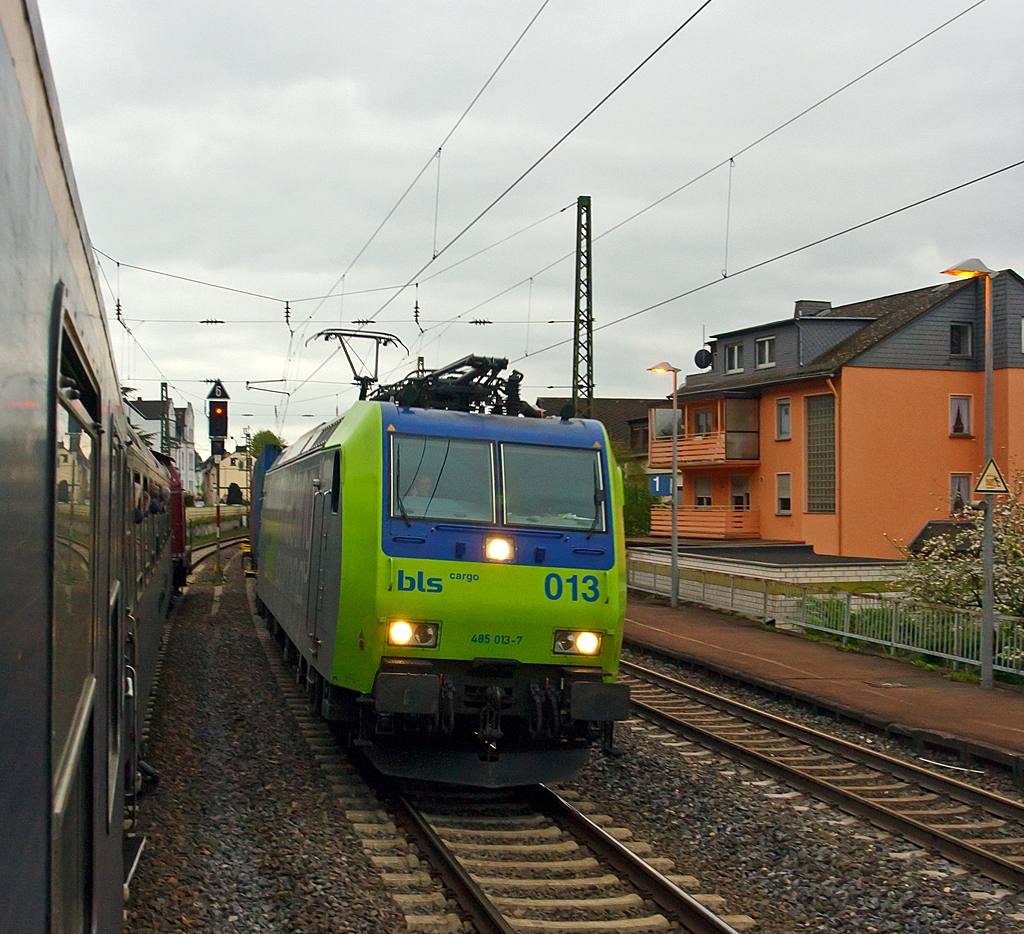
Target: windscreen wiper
[(398, 490), (598, 500)]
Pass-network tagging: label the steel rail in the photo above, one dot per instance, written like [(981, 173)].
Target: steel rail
[(1000, 869), (486, 916), (671, 899)]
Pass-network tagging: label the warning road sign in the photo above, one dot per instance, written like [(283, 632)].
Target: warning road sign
[(991, 480)]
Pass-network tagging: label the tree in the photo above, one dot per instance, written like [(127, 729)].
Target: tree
[(261, 439), (636, 493), (948, 569)]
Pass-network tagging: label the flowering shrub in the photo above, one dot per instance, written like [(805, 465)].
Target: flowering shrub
[(948, 568)]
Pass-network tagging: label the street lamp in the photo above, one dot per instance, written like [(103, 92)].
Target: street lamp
[(972, 269), (662, 368)]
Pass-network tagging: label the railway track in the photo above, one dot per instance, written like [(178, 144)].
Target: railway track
[(529, 861), (964, 824), (517, 861)]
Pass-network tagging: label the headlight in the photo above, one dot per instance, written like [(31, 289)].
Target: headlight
[(568, 642), (415, 635), (499, 549)]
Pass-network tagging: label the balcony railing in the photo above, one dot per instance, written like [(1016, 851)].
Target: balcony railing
[(718, 447), (707, 522)]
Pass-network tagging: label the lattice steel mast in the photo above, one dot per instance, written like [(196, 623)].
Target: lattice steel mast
[(583, 317)]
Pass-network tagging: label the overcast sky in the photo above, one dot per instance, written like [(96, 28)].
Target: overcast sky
[(258, 145)]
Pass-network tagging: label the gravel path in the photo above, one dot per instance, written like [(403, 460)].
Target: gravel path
[(242, 831)]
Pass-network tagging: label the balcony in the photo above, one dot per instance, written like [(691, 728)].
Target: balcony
[(717, 522), (717, 447)]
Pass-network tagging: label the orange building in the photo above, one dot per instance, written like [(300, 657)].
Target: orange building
[(847, 428)]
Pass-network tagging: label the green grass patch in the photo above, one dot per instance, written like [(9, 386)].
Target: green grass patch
[(965, 674)]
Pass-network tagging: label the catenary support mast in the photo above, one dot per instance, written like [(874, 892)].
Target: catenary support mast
[(583, 317)]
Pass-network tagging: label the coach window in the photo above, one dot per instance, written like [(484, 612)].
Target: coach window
[(441, 478), (553, 488), (72, 663)]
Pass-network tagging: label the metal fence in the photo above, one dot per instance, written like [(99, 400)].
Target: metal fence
[(883, 619)]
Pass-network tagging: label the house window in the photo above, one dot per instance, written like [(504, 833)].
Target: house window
[(638, 437), (821, 454), (702, 422), (702, 492), (663, 422), (739, 491), (783, 494), (960, 416), (734, 358), (782, 421), (764, 353), (961, 342), (959, 492)]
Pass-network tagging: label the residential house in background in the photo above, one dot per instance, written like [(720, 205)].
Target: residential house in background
[(235, 467), (151, 416), (625, 420), (847, 428)]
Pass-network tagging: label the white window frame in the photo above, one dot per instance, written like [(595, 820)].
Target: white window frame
[(779, 511), (734, 358), (768, 343), (952, 491), (969, 433), (699, 482), (779, 436)]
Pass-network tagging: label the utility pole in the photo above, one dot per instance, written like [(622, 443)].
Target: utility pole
[(583, 317)]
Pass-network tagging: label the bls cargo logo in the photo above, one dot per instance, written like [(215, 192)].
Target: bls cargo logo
[(430, 585)]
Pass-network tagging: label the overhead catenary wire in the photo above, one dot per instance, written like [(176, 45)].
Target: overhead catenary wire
[(787, 253), (554, 146), (397, 286), (729, 159), (440, 146)]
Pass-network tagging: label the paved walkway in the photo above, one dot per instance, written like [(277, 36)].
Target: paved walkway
[(886, 691)]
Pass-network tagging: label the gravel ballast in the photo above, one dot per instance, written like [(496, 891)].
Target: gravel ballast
[(242, 832), (776, 854)]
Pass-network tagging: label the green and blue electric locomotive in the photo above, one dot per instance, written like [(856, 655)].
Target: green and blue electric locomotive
[(453, 585)]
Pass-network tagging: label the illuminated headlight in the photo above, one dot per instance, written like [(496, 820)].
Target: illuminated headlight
[(414, 635), (499, 549), (569, 642)]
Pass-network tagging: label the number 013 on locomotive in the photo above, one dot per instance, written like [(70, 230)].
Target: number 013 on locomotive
[(453, 585)]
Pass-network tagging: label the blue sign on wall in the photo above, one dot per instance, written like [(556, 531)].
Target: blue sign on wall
[(661, 485)]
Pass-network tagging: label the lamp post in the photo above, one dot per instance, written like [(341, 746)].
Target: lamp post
[(973, 268), (674, 370)]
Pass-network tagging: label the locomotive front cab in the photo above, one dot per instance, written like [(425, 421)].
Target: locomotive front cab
[(501, 598)]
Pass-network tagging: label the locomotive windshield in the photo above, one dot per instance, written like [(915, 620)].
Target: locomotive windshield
[(441, 478), (556, 488)]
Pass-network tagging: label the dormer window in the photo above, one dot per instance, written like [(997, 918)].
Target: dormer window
[(734, 358), (764, 353)]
